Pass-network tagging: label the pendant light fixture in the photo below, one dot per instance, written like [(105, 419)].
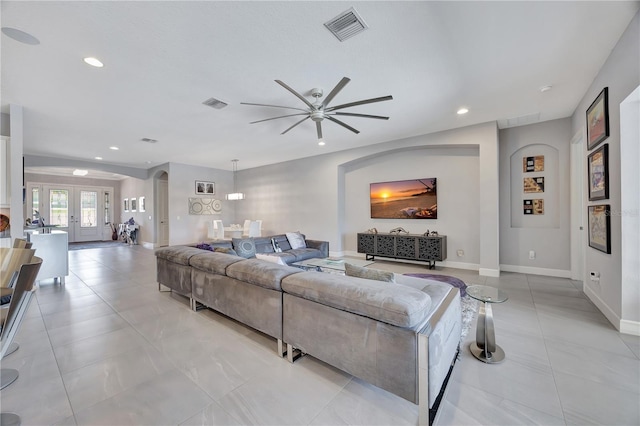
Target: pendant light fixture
[(235, 195)]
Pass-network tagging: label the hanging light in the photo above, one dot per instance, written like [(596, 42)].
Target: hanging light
[(235, 195)]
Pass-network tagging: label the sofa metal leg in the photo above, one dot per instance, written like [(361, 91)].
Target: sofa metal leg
[(294, 354), (281, 352)]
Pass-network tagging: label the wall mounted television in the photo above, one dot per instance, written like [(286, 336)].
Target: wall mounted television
[(404, 199)]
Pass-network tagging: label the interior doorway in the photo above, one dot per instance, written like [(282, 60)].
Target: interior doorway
[(162, 209)]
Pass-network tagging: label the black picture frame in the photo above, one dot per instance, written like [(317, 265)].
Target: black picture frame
[(599, 218), (205, 188), (598, 173), (598, 120)]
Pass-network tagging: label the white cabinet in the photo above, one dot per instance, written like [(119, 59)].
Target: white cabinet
[(53, 248)]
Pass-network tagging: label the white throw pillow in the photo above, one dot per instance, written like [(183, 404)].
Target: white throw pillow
[(272, 259), (296, 240)]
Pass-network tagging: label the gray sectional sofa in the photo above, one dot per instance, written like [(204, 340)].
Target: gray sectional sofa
[(402, 337)]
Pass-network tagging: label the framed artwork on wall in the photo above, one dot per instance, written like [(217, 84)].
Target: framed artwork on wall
[(205, 188), (126, 204), (134, 204), (533, 184), (141, 204), (533, 164), (598, 173), (600, 227), (533, 206), (598, 120)]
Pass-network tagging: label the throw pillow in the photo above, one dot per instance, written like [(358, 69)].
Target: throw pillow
[(372, 274), (244, 247), (272, 259), (296, 240), (204, 246), (226, 250)]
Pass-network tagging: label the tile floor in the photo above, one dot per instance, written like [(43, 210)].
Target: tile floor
[(108, 348)]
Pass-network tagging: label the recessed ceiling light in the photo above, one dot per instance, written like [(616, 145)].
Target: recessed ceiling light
[(98, 158), (20, 36), (321, 142), (78, 172), (115, 148), (94, 62), (462, 111), (545, 88)]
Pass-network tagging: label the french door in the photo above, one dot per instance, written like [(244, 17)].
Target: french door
[(83, 212)]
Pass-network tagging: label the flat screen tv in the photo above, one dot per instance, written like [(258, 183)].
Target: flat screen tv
[(404, 199)]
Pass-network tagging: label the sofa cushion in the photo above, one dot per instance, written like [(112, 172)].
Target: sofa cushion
[(401, 306), (214, 262), (177, 254), (245, 247), (305, 253), (263, 245), (296, 240), (372, 274), (271, 258), (227, 250), (282, 241), (260, 273)]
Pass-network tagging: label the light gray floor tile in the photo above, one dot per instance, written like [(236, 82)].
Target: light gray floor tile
[(633, 342), (85, 329), (78, 314), (590, 403), (169, 398), (361, 403), (104, 379), (304, 388), (70, 304), (213, 415)]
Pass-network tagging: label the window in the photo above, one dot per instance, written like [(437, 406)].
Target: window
[(59, 207)]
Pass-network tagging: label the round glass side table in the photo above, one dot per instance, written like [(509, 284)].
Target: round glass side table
[(485, 348)]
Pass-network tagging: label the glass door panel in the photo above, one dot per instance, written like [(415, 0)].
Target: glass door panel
[(86, 222), (59, 208)]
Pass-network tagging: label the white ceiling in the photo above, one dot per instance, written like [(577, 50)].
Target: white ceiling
[(163, 59)]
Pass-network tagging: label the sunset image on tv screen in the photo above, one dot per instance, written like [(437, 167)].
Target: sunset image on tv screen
[(404, 199)]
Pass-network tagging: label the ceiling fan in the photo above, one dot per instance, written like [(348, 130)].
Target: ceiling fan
[(318, 111)]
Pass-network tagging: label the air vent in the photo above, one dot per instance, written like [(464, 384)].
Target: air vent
[(519, 121), (215, 103), (149, 140), (346, 25)]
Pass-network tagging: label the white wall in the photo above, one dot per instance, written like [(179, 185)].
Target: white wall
[(547, 235), (630, 211), (316, 195), (621, 73)]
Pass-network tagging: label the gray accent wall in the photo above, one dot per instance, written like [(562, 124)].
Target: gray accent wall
[(548, 235), (621, 74)]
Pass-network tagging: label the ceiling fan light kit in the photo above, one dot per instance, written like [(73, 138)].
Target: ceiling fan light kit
[(318, 111)]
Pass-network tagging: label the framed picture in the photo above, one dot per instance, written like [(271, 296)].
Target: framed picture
[(533, 164), (126, 204), (205, 188), (134, 204), (600, 227), (533, 206), (598, 170), (533, 184), (598, 120), (141, 204)]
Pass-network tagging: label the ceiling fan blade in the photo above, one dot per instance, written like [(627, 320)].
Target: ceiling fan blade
[(298, 95), (352, 114), (319, 129), (363, 102), (282, 116), (345, 125), (335, 91), (274, 106), (306, 118)]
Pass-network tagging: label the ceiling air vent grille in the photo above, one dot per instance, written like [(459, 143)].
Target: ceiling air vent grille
[(215, 103), (346, 25), (519, 121), (149, 140)]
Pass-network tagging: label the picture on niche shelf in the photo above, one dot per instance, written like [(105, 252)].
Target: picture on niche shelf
[(533, 206), (533, 164), (404, 199), (534, 184)]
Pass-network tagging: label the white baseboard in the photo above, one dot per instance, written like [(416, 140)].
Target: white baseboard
[(561, 273), (602, 306), (630, 327), (148, 245), (487, 272)]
